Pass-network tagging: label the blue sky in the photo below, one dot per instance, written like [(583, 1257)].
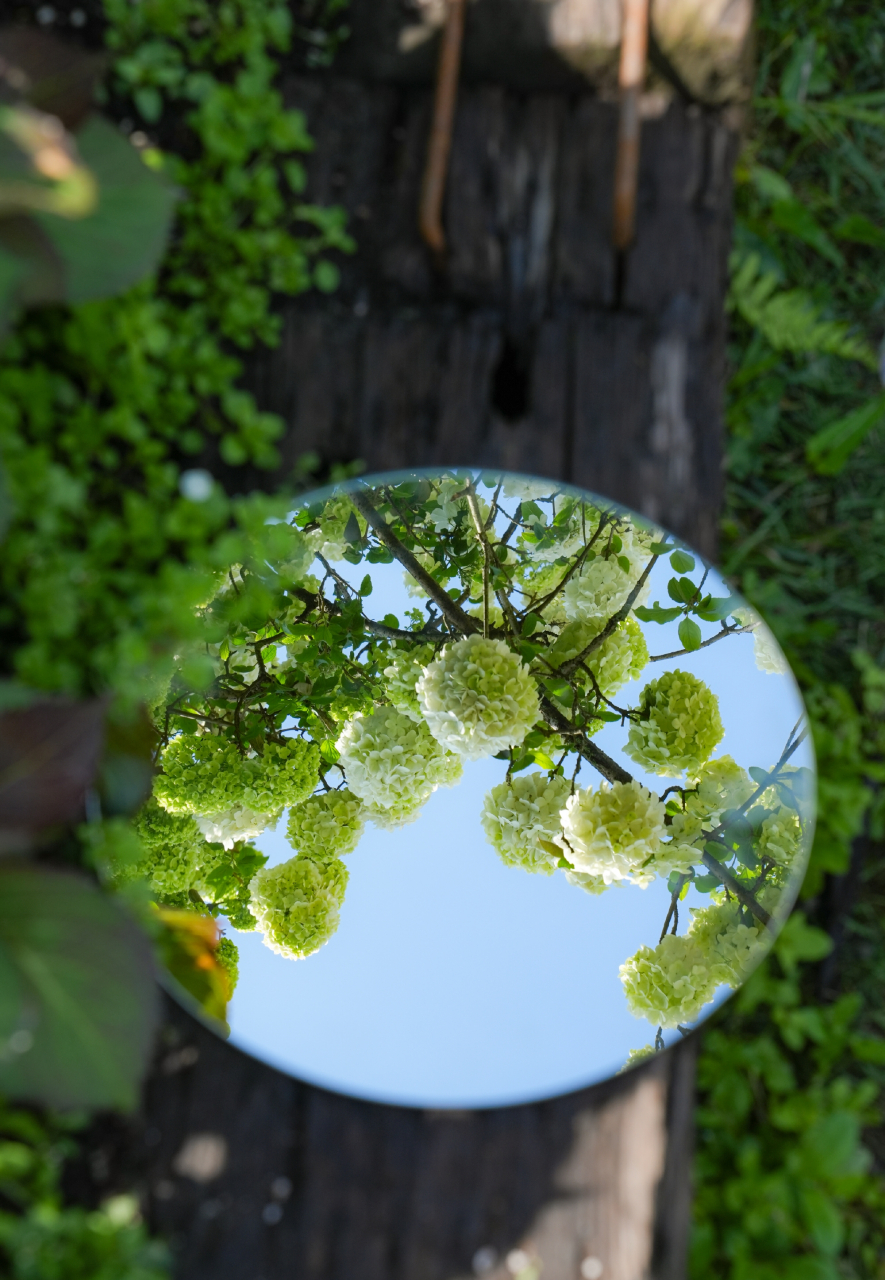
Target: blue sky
[(454, 981)]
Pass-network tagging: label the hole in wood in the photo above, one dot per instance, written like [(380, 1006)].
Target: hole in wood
[(511, 382)]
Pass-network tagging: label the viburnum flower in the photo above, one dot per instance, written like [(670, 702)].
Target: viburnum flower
[(297, 903), (766, 650), (590, 884), (680, 725), (622, 656), (404, 670), (396, 815), (611, 832), (668, 984), (731, 946), (604, 582), (392, 763), (718, 785), (234, 825), (206, 775), (780, 836), (518, 815), (326, 826), (528, 490), (171, 844), (478, 697)]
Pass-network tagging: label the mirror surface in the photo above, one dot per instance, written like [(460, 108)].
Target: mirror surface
[(491, 787)]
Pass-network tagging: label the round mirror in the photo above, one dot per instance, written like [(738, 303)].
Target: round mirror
[(491, 787)]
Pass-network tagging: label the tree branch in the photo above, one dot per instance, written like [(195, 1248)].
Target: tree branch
[(453, 614), (733, 885), (610, 769), (720, 635)]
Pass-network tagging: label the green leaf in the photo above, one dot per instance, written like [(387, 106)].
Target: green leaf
[(326, 276), (77, 994), (544, 761), (861, 230), (352, 532), (793, 217), (829, 449), (366, 586), (799, 940), (682, 562), (624, 562), (656, 613), (716, 608), (682, 589), (329, 752), (661, 548), (124, 239), (706, 884), (759, 776), (689, 634)]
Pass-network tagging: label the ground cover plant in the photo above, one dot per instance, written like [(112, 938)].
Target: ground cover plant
[(789, 1171)]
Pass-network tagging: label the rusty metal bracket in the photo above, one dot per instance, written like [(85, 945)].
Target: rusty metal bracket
[(631, 77), (439, 146)]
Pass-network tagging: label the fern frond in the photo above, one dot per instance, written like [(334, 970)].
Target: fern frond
[(788, 318)]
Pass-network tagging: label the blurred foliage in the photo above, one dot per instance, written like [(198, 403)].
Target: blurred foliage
[(40, 1238), (789, 1167)]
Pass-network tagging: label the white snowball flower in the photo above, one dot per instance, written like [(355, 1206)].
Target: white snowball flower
[(613, 831), (390, 762), (590, 884), (528, 490), (718, 785), (478, 697), (236, 824), (621, 657), (603, 585), (731, 948), (521, 820)]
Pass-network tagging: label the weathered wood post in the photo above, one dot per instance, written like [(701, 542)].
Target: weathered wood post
[(532, 345)]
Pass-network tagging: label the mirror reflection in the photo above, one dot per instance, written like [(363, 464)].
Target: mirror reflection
[(491, 787)]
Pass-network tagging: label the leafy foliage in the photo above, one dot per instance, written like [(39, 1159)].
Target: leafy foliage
[(790, 1085)]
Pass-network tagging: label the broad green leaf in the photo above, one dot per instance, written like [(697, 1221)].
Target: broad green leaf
[(656, 614), (682, 562), (860, 230), (366, 586), (690, 634), (717, 607), (83, 995), (543, 760), (829, 449), (124, 239)]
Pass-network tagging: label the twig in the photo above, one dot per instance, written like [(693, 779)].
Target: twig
[(720, 635)]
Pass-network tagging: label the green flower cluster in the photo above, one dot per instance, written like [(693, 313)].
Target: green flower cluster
[(520, 818), (668, 984), (393, 764), (405, 668), (326, 826), (679, 727), (172, 845), (718, 785), (296, 904), (622, 656), (613, 832), (478, 697), (207, 775)]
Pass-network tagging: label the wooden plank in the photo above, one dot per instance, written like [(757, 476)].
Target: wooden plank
[(252, 1175)]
